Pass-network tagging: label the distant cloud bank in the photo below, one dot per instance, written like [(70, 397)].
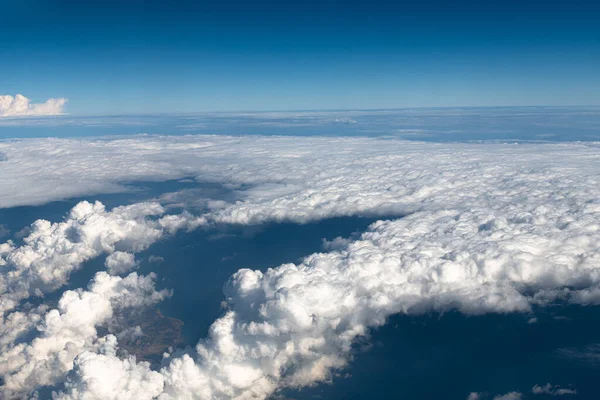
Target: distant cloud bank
[(20, 105)]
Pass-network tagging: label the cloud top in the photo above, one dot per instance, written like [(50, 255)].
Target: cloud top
[(20, 105), (487, 228)]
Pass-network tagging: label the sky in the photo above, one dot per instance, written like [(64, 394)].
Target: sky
[(426, 228), (114, 57)]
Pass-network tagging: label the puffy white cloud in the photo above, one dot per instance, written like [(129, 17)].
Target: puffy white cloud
[(120, 262), (51, 251), (69, 330), (552, 390), (489, 228), (294, 324), (20, 105), (104, 376)]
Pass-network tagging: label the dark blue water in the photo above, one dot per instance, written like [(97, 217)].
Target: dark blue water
[(448, 356)]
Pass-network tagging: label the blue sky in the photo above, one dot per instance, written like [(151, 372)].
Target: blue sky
[(114, 57)]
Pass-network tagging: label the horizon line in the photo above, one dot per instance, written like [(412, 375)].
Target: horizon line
[(148, 114)]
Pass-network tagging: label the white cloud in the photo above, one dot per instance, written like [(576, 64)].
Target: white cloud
[(104, 376), (552, 390), (20, 105), (70, 330), (155, 259), (298, 179), (51, 251), (509, 396), (490, 228), (294, 324), (120, 262)]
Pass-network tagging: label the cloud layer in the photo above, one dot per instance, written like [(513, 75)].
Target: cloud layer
[(297, 179), (295, 324), (20, 105), (485, 228)]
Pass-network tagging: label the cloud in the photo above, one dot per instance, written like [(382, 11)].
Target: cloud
[(120, 262), (509, 396), (51, 251), (552, 390), (43, 263), (69, 330), (20, 105), (154, 259), (293, 325), (104, 376), (299, 179), (506, 396), (485, 228)]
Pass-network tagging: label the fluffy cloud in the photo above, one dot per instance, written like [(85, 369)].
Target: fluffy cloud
[(104, 376), (51, 251), (291, 326), (488, 228), (303, 179), (20, 106), (552, 390), (69, 330), (120, 262)]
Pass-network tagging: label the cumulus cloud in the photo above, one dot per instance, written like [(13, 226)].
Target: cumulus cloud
[(69, 330), (293, 325), (20, 105), (43, 263), (487, 228), (104, 376), (120, 262), (51, 251), (552, 390)]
